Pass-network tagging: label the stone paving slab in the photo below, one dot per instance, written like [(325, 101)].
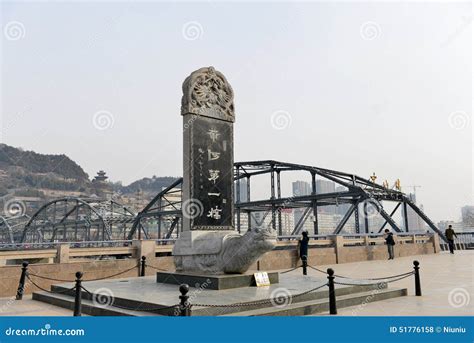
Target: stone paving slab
[(28, 307)]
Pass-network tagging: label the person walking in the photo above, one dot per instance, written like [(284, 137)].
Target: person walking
[(450, 234), (390, 243), (303, 248)]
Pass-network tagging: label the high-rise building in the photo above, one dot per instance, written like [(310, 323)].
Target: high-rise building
[(325, 186), (415, 223), (467, 213), (342, 209), (243, 190), (300, 188), (322, 187), (443, 225)]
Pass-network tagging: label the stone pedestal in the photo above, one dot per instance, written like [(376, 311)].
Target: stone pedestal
[(210, 281)]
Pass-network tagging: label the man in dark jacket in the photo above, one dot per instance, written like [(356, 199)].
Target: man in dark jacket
[(390, 243), (450, 234), (303, 248)]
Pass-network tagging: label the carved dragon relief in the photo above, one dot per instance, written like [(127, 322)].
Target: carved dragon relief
[(206, 92)]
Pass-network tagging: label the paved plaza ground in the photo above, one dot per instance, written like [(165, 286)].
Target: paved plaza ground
[(447, 285), (446, 282)]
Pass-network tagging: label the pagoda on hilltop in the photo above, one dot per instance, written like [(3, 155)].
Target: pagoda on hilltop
[(100, 177)]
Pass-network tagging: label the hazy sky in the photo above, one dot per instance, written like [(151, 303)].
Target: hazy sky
[(379, 87)]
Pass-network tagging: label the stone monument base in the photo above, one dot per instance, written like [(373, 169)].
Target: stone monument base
[(221, 252), (143, 296), (211, 281)]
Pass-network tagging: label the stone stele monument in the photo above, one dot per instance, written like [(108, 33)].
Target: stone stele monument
[(209, 242)]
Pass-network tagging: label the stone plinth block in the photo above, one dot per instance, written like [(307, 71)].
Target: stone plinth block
[(215, 282)]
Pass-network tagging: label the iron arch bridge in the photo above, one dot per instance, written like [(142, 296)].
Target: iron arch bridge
[(355, 204), (72, 219), (11, 227)]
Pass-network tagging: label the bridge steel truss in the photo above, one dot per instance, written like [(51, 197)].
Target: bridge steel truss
[(359, 194), (10, 226), (73, 219), (165, 209)]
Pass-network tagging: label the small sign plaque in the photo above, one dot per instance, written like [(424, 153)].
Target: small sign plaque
[(261, 279)]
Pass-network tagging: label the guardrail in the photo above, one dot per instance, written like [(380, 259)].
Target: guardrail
[(361, 238), (88, 244), (60, 252), (465, 238), (54, 245), (463, 241)]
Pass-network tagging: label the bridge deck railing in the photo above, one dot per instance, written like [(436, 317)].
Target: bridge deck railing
[(56, 251), (362, 238)]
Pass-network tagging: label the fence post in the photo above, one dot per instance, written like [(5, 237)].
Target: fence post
[(78, 297), (21, 284), (332, 292), (416, 266), (184, 306), (143, 266), (304, 259)]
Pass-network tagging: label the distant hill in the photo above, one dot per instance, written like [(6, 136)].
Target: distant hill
[(27, 173), (37, 163), (149, 185), (21, 169)]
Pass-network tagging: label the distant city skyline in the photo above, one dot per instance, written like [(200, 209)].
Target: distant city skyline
[(380, 87)]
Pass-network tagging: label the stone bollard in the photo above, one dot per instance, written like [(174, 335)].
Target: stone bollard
[(78, 296), (184, 306), (416, 267), (304, 259), (21, 284), (143, 266), (332, 292)]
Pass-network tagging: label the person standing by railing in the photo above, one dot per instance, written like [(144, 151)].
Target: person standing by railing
[(390, 243), (303, 247), (450, 234)]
